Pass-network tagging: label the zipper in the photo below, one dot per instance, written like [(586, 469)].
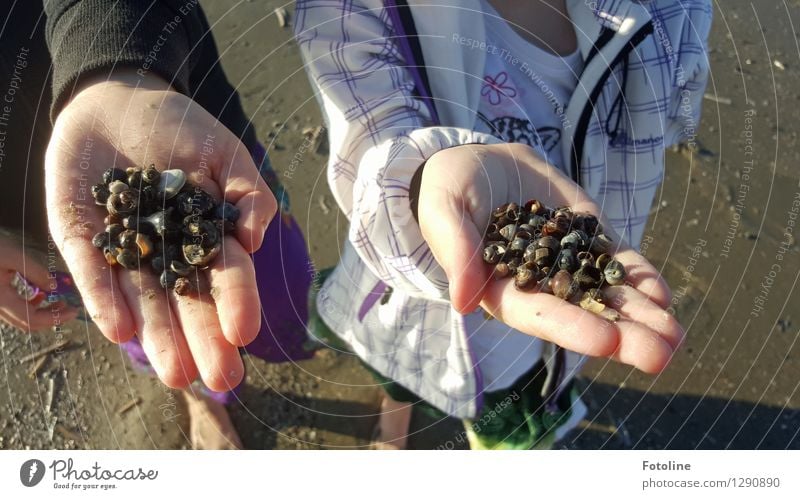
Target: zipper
[(583, 123)]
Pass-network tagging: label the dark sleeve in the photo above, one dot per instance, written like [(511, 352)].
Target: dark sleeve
[(90, 37)]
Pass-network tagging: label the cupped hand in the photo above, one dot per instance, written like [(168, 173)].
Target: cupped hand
[(136, 121), (459, 188), (14, 309)]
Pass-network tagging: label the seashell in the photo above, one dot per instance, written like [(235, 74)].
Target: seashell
[(100, 240), (144, 245), (151, 175), (514, 264), (171, 182), (526, 228), (180, 267), (167, 279), (601, 261), (614, 273), (596, 294), (567, 260), (162, 223), (601, 243), (195, 202), (114, 230), (592, 304), (523, 234), (203, 232), (127, 239), (534, 206), (112, 219), (110, 254), (501, 270), (493, 253), (196, 254), (500, 211), (518, 245), (576, 239), (543, 257), (527, 276), (128, 258), (529, 255), (123, 203), (134, 177), (157, 263), (563, 212), (513, 212), (113, 174), (563, 285), (229, 214), (183, 286), (585, 258), (493, 233), (557, 227), (536, 221), (549, 242), (100, 194), (117, 186), (508, 232), (586, 222), (544, 285), (588, 277)]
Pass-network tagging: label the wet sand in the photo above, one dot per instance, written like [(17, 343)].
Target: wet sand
[(717, 231)]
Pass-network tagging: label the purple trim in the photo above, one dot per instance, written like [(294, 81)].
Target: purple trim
[(371, 299), (411, 65)]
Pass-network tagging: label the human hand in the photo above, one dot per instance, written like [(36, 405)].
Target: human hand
[(131, 121), (459, 188), (14, 309)]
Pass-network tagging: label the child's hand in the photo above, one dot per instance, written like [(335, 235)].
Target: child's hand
[(459, 188), (133, 121), (14, 309)]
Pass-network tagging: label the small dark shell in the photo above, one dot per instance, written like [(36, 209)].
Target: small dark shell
[(586, 222), (544, 257), (527, 276), (535, 207), (513, 212), (493, 233), (518, 245), (135, 177), (195, 202), (123, 203), (568, 260), (601, 243), (183, 286), (151, 175), (500, 211), (118, 186), (128, 258), (585, 258), (548, 242), (112, 219), (100, 240), (229, 214), (113, 174), (563, 212), (588, 277), (100, 194), (514, 264), (203, 232), (508, 232), (544, 285), (536, 221), (530, 229), (114, 230), (563, 285), (529, 255), (167, 279), (602, 261), (145, 245), (576, 239), (180, 267), (493, 253), (595, 294), (110, 253), (157, 263), (523, 234), (557, 227), (614, 273), (127, 239), (196, 254), (501, 270)]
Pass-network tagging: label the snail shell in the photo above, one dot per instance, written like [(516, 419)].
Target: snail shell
[(128, 258), (549, 242), (196, 254), (171, 182), (534, 206), (602, 261), (601, 243), (576, 239), (117, 186), (543, 257), (228, 213), (157, 263), (614, 273), (180, 267), (586, 222), (563, 285), (536, 221), (518, 245), (127, 239), (500, 211), (183, 286), (588, 277), (508, 232), (556, 227), (100, 194), (501, 270), (567, 260), (110, 254), (493, 253), (144, 245), (167, 279), (123, 203), (527, 276), (151, 175), (585, 258), (113, 174), (100, 240)]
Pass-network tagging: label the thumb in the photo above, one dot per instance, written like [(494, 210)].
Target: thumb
[(456, 242)]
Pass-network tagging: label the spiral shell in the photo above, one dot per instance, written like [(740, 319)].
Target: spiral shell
[(614, 273), (563, 285)]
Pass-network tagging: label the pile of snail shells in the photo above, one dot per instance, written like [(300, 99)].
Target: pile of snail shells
[(159, 220), (555, 251)]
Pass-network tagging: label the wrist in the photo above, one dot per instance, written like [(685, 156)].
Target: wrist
[(121, 78)]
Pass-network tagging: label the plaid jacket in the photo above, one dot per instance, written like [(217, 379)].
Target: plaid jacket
[(645, 69)]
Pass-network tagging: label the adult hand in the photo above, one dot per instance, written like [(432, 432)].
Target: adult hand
[(14, 309), (135, 121), (454, 208)]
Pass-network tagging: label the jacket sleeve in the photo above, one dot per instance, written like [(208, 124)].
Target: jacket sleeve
[(379, 134), (90, 37), (691, 74)]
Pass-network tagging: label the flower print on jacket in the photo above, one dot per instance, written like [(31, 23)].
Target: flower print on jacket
[(495, 88)]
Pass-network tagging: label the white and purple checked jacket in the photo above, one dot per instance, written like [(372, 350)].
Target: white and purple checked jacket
[(381, 131)]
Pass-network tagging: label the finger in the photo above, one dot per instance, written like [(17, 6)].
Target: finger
[(643, 276), (455, 242), (244, 187), (97, 282), (217, 360), (158, 329), (552, 319), (642, 348), (634, 305), (233, 281)]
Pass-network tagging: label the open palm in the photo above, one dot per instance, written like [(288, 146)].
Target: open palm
[(460, 187), (132, 121)]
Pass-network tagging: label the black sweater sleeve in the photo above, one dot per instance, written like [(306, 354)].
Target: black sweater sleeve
[(169, 38)]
